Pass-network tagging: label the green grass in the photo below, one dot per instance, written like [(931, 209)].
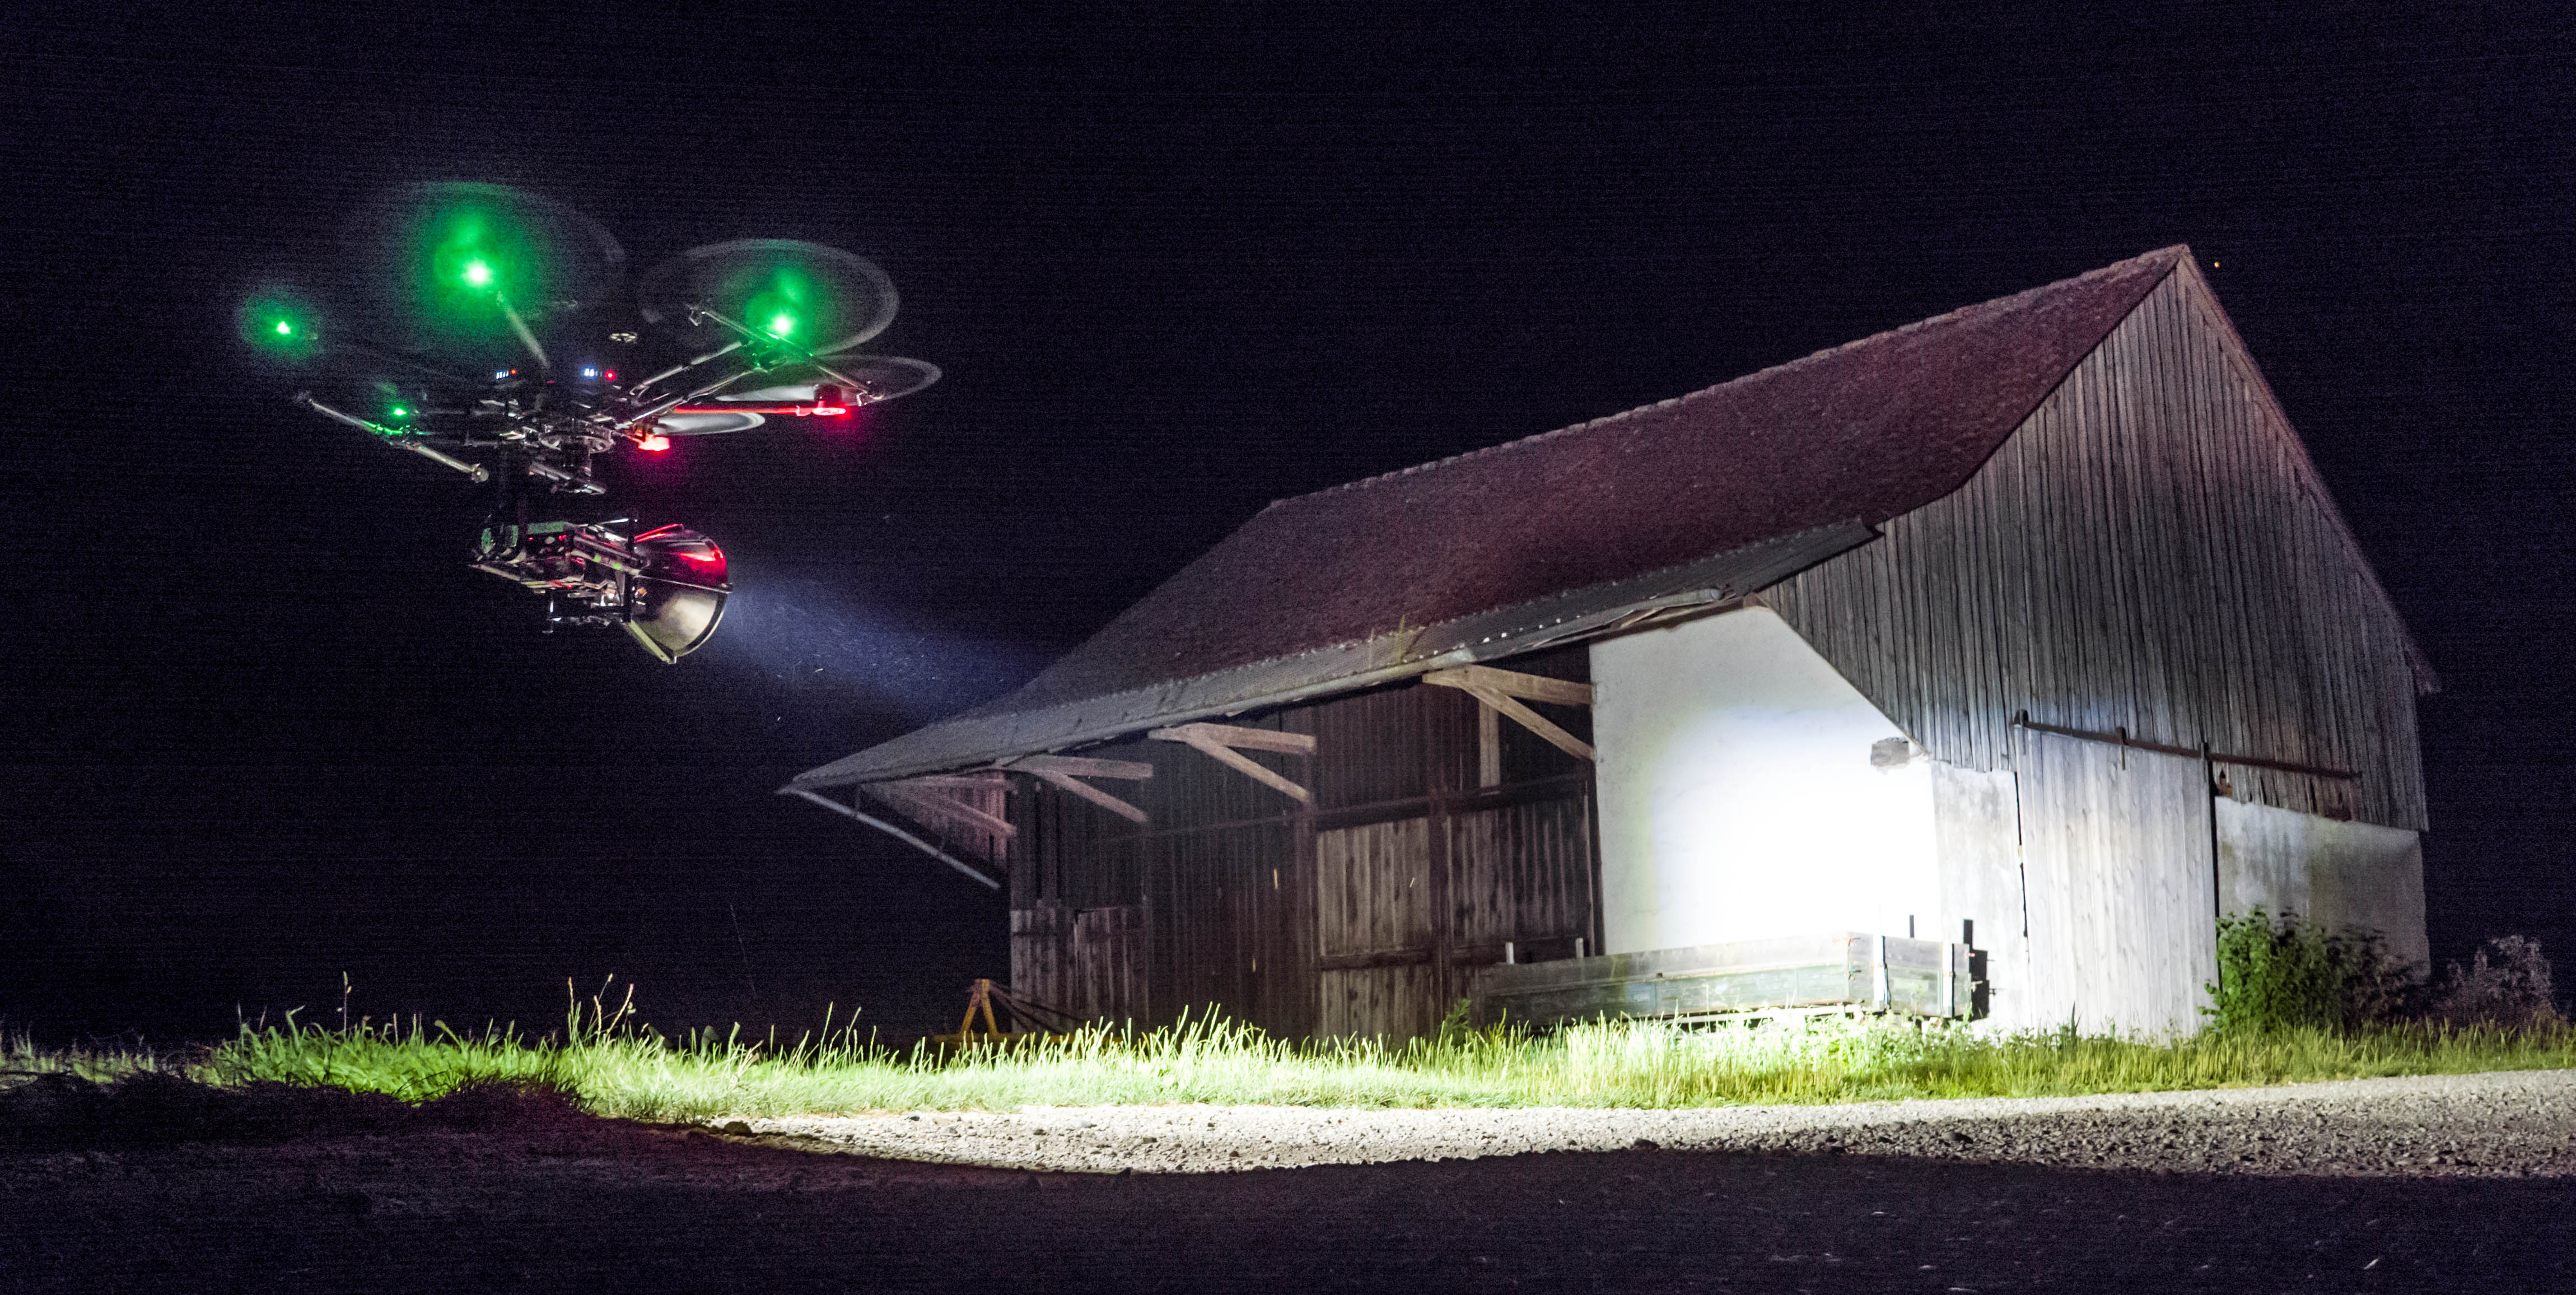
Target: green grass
[(612, 1068)]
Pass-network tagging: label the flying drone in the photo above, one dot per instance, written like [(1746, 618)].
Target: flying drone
[(488, 330)]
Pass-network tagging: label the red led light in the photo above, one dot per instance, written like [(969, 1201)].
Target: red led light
[(709, 556), (654, 444), (829, 411), (612, 375)]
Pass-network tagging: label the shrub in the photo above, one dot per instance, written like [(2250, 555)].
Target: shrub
[(2512, 988), (2285, 974)]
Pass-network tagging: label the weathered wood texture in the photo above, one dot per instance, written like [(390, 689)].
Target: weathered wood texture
[(2152, 551), (1837, 969), (1976, 824), (1271, 909), (2121, 887), (966, 813), (1088, 962)]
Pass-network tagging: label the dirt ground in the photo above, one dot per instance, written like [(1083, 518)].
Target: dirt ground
[(525, 1195)]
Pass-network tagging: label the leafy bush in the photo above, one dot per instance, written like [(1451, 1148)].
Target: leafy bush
[(2284, 974), (2511, 989)]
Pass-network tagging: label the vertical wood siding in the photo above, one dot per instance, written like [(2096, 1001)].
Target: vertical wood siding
[(1089, 962), (1242, 894), (2151, 551), (2122, 888), (1522, 873)]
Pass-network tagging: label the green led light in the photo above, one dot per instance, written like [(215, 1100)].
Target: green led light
[(277, 324), (400, 412), (478, 273), (782, 325)]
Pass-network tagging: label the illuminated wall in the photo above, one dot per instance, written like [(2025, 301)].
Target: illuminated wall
[(2341, 876), (1739, 796)]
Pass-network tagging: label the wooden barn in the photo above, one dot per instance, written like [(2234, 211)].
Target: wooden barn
[(1972, 669)]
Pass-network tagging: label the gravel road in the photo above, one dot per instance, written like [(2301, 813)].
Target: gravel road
[(2388, 1186), (2494, 1125)]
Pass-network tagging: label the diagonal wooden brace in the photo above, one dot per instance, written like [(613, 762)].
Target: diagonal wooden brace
[(1217, 742), (1093, 794), (1068, 772), (1496, 689), (918, 801)]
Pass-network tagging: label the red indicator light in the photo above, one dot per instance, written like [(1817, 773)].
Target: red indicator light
[(829, 411), (701, 557), (612, 375), (654, 444)]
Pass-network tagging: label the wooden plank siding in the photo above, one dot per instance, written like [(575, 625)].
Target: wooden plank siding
[(1252, 903), (2151, 551)]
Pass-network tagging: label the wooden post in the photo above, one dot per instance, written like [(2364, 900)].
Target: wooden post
[(1489, 746)]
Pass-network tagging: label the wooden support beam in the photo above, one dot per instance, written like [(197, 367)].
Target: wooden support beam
[(1512, 683), (1489, 746), (1081, 766), (921, 801), (1256, 739), (1499, 689), (1217, 742), (961, 781), (1093, 794)]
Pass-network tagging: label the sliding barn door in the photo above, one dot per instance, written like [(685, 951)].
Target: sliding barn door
[(2121, 885)]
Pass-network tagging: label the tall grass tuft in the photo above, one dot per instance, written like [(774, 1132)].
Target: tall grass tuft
[(611, 1066), (2293, 1004)]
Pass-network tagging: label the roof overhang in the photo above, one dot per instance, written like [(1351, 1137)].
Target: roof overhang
[(976, 740)]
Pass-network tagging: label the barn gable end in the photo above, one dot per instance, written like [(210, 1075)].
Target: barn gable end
[(2151, 552)]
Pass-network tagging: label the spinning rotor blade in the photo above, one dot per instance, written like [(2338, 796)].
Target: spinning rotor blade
[(707, 423), (819, 299), (473, 274), (870, 380)]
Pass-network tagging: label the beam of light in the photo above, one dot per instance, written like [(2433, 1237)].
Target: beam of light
[(827, 663), (655, 444)]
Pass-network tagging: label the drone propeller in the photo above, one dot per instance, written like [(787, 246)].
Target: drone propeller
[(861, 379), (698, 422), (471, 272), (818, 300)]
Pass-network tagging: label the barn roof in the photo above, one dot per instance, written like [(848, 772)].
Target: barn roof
[(1495, 552)]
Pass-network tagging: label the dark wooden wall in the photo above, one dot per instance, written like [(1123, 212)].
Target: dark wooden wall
[(2152, 551), (1361, 913)]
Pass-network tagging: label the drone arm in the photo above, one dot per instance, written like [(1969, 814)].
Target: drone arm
[(475, 471), (669, 403), (677, 369)]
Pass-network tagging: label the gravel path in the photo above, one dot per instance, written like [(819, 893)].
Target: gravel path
[(2493, 1125)]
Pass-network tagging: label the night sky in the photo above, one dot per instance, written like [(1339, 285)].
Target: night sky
[(263, 726)]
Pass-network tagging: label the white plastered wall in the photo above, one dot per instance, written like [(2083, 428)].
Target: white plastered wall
[(1738, 794), (2338, 875)]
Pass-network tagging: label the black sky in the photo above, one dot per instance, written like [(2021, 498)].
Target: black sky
[(265, 728)]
